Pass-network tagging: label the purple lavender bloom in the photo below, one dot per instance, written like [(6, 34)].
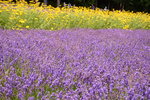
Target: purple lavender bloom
[(75, 64), (31, 98), (20, 96)]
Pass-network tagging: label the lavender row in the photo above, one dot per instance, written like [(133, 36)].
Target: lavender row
[(75, 64)]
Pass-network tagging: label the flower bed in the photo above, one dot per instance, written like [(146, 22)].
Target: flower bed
[(74, 64)]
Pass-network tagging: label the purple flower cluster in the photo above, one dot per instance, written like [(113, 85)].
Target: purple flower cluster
[(75, 64)]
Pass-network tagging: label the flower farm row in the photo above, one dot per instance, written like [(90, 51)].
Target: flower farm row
[(75, 64), (21, 15)]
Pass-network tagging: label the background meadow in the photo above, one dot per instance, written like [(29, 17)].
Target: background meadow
[(74, 62), (19, 16)]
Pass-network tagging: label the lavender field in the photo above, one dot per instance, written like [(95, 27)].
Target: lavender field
[(75, 64)]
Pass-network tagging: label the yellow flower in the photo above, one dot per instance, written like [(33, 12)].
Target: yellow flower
[(27, 26), (126, 27), (52, 28), (22, 20), (18, 25)]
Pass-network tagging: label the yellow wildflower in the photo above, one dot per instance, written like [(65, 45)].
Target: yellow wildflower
[(22, 20), (52, 28), (27, 26), (126, 27)]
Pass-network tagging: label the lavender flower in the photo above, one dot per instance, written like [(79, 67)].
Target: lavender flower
[(74, 64)]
